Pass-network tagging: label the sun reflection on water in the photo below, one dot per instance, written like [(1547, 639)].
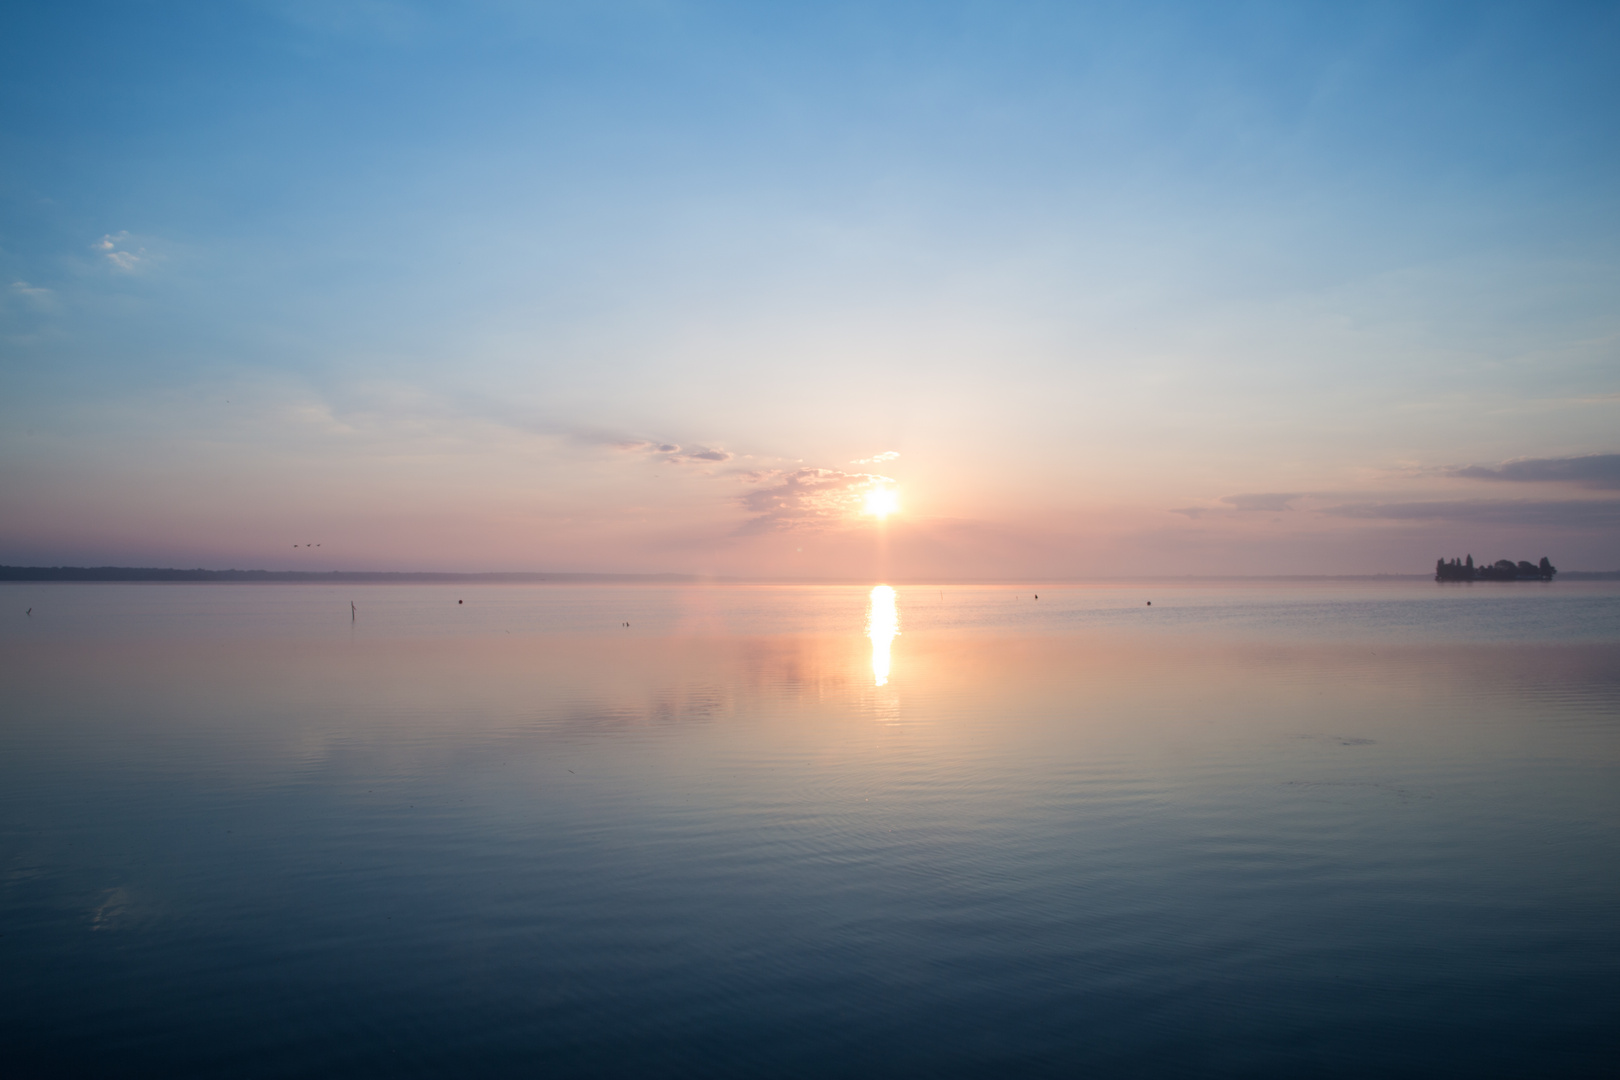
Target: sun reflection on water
[(882, 626)]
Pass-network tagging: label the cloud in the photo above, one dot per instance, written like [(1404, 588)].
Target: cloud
[(36, 296), (1570, 513), (877, 459), (1261, 502), (1241, 504), (115, 247), (1591, 470), (673, 453), (807, 498)]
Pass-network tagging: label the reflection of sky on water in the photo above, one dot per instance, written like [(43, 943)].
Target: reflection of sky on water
[(582, 832), (882, 626), (1413, 612)]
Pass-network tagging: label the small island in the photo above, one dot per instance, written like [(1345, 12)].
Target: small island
[(1501, 570)]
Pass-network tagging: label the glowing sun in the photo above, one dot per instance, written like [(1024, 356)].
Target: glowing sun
[(881, 502)]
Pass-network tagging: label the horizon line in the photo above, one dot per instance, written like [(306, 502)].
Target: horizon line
[(199, 575)]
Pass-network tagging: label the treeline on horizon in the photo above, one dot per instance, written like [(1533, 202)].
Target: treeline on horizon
[(337, 577), (1501, 570), (1455, 570)]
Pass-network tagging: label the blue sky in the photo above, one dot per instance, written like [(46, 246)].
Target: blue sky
[(1213, 286)]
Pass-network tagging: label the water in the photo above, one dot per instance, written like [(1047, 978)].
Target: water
[(1271, 830)]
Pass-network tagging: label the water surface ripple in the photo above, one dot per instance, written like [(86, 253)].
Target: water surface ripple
[(1323, 830)]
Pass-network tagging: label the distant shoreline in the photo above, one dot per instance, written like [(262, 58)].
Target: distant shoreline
[(133, 574), (306, 577)]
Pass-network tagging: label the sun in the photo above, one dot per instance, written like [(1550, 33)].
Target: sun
[(882, 501)]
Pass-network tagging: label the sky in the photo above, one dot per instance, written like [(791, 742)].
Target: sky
[(1082, 290)]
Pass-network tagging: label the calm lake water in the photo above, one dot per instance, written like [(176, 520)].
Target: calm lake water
[(1269, 830)]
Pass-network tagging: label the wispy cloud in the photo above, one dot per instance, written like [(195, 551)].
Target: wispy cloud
[(676, 454), (35, 296), (1568, 513), (1273, 501), (808, 498), (1589, 470), (877, 459), (114, 247)]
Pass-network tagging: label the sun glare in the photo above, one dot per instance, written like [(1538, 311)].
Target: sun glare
[(882, 626), (882, 501)]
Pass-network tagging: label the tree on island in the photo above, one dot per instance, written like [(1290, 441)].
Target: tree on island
[(1501, 570)]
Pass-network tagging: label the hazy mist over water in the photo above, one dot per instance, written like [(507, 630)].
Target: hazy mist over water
[(1324, 829)]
